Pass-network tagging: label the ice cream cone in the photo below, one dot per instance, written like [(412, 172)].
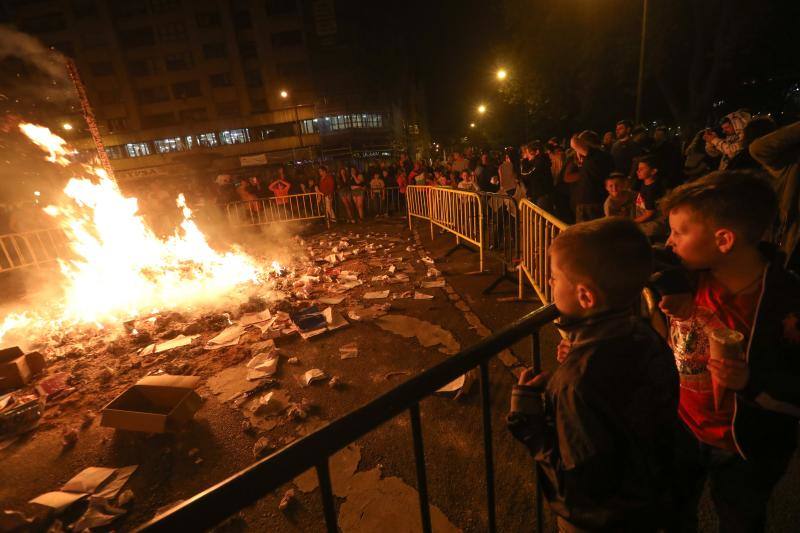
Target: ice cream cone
[(724, 343)]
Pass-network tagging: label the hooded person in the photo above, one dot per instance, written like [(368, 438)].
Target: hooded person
[(733, 142)]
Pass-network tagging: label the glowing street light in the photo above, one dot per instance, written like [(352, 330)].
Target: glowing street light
[(471, 124), (67, 126), (481, 109), (284, 94), (501, 74)]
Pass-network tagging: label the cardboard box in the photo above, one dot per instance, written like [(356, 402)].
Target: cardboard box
[(17, 368), (155, 404)]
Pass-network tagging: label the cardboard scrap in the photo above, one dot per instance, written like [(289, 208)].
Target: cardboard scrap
[(439, 283), (262, 365), (227, 337), (315, 374), (422, 296), (58, 500), (331, 300), (427, 334), (17, 368), (255, 318), (348, 351), (177, 342), (376, 295)]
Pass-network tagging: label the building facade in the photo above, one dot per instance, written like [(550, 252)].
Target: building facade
[(221, 86)]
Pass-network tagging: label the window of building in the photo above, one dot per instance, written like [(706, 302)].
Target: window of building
[(309, 126), (373, 120), (144, 67), (286, 38), (194, 114), (45, 23), (228, 109), (239, 136), (101, 68), (274, 131), (281, 7), (118, 124), (247, 49), (206, 139), (158, 120), (170, 144), (138, 149), (223, 79), (187, 89), (211, 19), (189, 142), (151, 95), (180, 61), (137, 37), (115, 152), (214, 50), (172, 32), (110, 96), (82, 9), (242, 20), (162, 6), (253, 78)]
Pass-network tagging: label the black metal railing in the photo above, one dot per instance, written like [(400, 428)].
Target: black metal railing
[(501, 234), (244, 488)]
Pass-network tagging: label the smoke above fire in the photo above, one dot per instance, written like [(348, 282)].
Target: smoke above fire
[(119, 268)]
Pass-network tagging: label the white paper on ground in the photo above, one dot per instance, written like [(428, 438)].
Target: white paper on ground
[(58, 500), (265, 362), (88, 479), (348, 351), (255, 318), (177, 342), (315, 374), (331, 300), (112, 488), (422, 296), (376, 295), (433, 284), (227, 337), (454, 385)]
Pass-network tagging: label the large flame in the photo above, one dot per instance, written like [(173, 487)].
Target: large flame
[(121, 269)]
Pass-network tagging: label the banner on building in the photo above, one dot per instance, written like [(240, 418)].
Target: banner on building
[(253, 160)]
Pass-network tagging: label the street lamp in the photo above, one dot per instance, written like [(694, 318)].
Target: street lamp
[(501, 74), (481, 109), (284, 94), (67, 126), (471, 124)]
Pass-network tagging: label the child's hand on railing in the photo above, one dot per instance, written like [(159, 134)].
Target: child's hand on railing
[(563, 350), (537, 381)]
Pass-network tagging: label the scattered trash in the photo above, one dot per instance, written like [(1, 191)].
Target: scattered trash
[(69, 437), (227, 337), (263, 365), (348, 351), (390, 375), (453, 386), (125, 497), (155, 404), (53, 386), (296, 412), (20, 413), (426, 333), (439, 283), (293, 361), (428, 260), (261, 447), (287, 499), (17, 368), (331, 300), (177, 342), (14, 521), (100, 484), (433, 272), (99, 513), (315, 374), (335, 382), (376, 295), (422, 296), (255, 318)]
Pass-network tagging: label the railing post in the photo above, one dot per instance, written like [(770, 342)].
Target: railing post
[(536, 363), (419, 457), (328, 504), (487, 445)]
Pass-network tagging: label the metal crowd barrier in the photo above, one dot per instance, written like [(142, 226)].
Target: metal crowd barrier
[(417, 202), (538, 228), (210, 507), (305, 206), (31, 248), (501, 234), (458, 212)]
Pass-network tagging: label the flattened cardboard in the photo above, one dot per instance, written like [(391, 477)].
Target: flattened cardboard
[(155, 404)]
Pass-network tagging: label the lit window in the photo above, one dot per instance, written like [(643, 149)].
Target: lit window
[(239, 136), (170, 144), (137, 149), (309, 126), (206, 139), (115, 152)]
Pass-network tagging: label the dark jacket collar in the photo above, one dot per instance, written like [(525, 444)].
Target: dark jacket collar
[(595, 328)]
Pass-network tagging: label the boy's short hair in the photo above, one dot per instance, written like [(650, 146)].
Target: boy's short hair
[(615, 176), (649, 160), (739, 200), (611, 254), (625, 122)]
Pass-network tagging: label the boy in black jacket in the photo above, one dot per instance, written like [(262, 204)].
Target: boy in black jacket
[(603, 439), (742, 439)]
